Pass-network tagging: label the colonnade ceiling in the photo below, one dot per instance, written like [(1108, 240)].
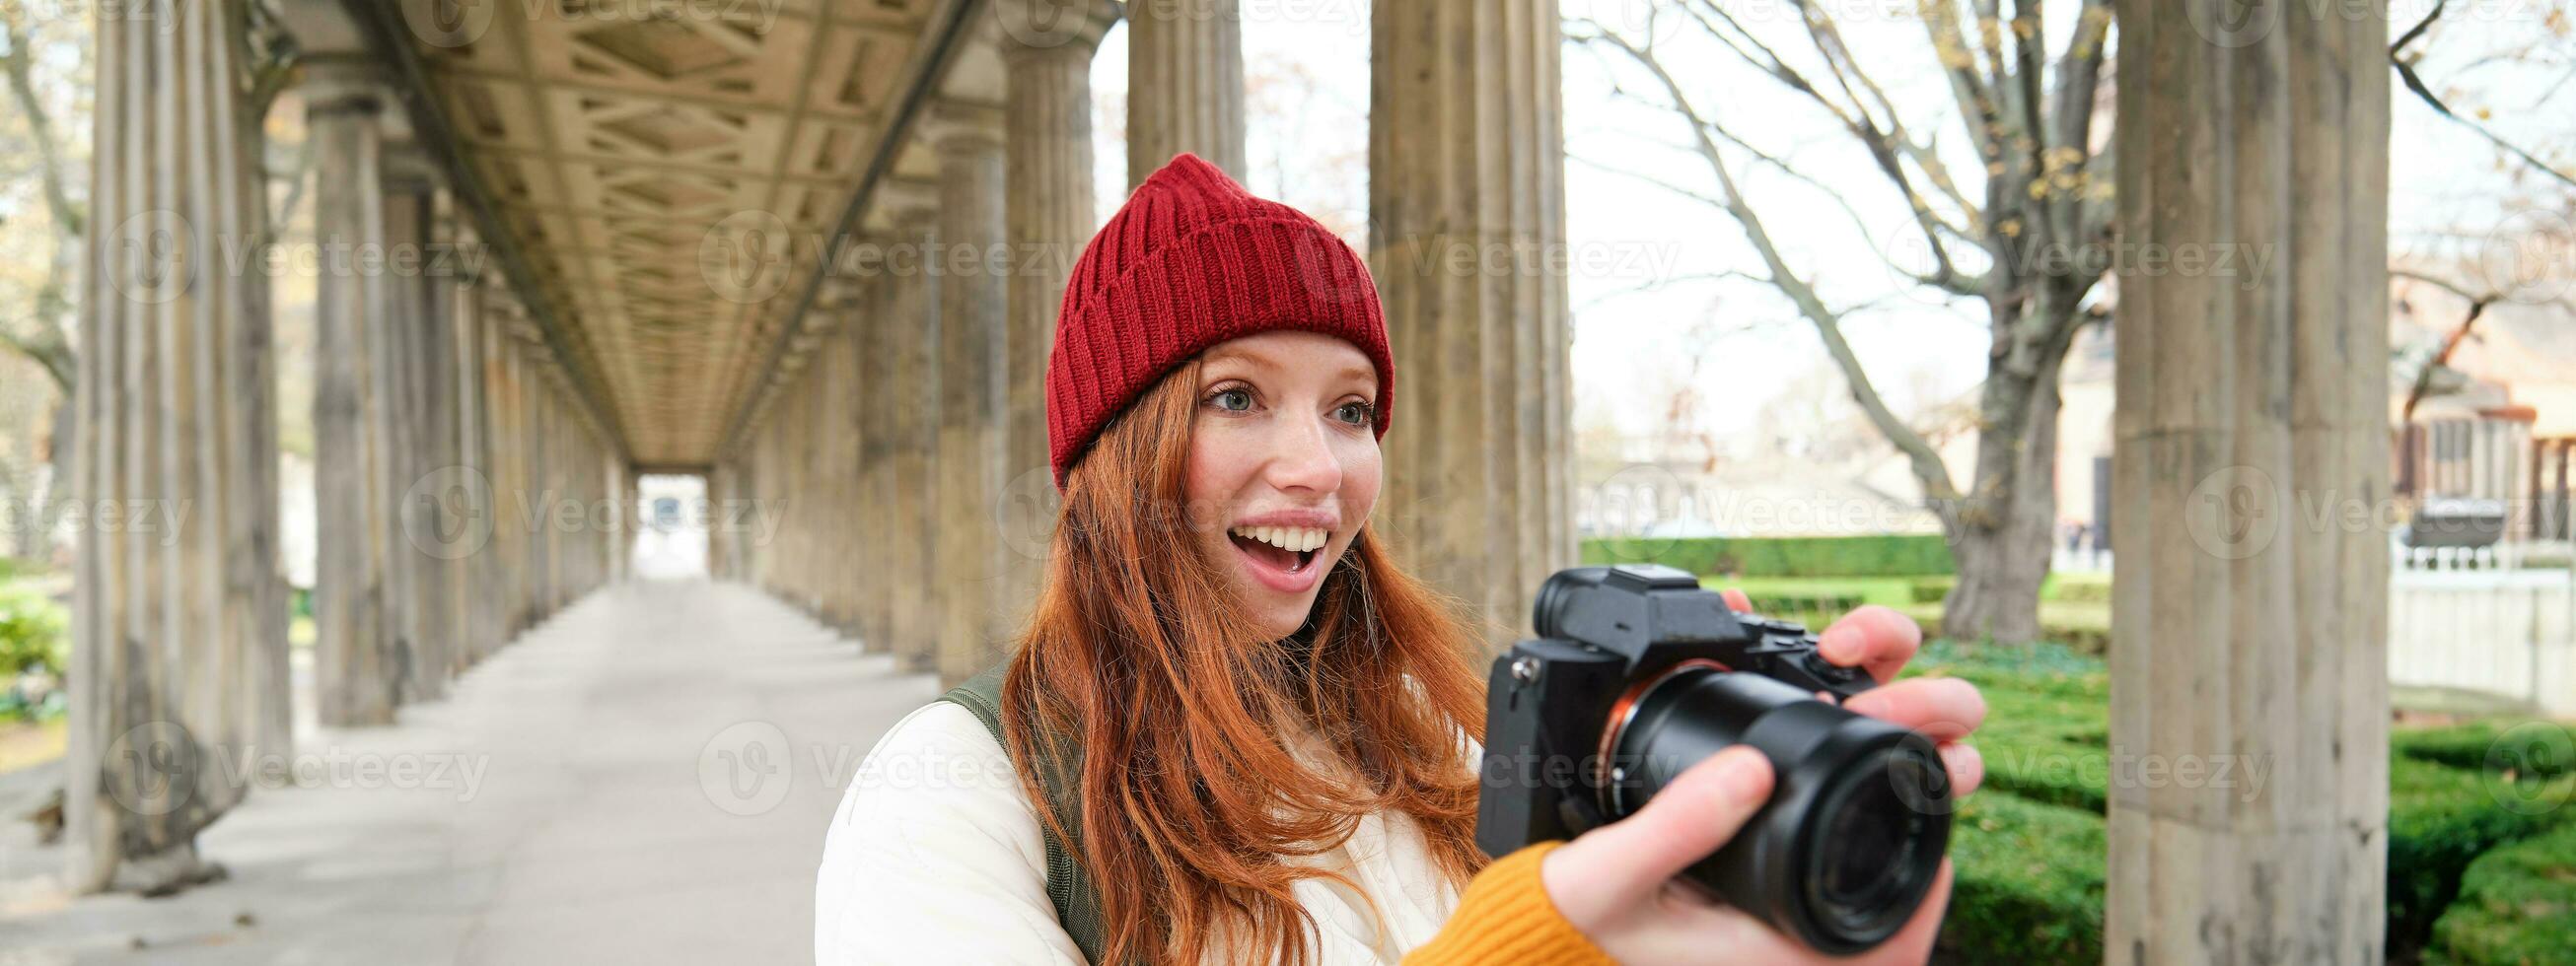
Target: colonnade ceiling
[(668, 168)]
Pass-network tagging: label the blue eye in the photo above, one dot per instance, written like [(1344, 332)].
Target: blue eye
[(1232, 400), (1356, 413)]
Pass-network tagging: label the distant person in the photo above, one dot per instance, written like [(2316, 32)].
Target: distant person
[(1274, 722)]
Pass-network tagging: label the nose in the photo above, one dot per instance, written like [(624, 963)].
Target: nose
[(1303, 459)]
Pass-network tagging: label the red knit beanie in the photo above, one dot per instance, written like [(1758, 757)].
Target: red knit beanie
[(1192, 260)]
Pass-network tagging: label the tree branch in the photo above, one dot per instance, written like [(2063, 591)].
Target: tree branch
[(1929, 470), (19, 64), (2406, 72)]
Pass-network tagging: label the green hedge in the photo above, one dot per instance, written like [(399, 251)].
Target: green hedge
[(2517, 906), (2029, 848), (1893, 555), (2029, 886)]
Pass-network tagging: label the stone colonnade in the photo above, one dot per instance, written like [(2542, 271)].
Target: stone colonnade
[(463, 493), (948, 438)]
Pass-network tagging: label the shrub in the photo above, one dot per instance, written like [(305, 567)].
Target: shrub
[(2045, 746), (1889, 555), (2029, 886), (2517, 905), (32, 633)]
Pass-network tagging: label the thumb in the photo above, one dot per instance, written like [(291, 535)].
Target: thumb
[(1682, 824)]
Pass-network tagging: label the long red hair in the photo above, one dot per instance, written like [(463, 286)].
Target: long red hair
[(1191, 800)]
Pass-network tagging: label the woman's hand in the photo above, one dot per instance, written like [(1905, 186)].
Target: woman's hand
[(1615, 884)]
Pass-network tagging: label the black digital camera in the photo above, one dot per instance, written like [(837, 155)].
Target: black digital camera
[(1638, 673)]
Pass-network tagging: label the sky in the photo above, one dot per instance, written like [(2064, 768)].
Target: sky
[(1633, 335)]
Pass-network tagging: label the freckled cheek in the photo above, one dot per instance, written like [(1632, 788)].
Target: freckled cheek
[(1363, 474), (1220, 465)]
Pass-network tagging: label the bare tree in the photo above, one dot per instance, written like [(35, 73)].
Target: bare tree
[(42, 331), (2026, 233)]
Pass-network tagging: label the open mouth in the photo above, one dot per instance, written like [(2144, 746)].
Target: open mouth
[(1288, 550)]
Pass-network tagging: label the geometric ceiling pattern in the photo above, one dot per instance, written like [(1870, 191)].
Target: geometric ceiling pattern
[(666, 168)]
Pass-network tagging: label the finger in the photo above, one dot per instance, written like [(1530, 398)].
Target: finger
[(1874, 638), (1966, 765), (1736, 601), (1913, 944), (1687, 929), (1628, 860), (1946, 709)]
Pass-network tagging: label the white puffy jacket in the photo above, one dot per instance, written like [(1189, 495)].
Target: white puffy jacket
[(936, 857)]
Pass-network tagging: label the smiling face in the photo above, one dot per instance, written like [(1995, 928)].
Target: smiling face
[(1283, 465)]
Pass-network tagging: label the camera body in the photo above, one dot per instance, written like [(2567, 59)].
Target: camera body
[(1638, 674)]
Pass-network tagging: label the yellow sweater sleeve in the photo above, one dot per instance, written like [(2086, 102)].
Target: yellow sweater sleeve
[(1506, 917)]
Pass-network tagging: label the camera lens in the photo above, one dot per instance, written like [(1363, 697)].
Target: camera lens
[(1859, 812), (1859, 862)]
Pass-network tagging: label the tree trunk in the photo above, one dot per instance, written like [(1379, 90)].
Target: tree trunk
[(2000, 543)]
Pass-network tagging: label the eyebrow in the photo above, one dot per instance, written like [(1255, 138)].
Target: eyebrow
[(1362, 373)]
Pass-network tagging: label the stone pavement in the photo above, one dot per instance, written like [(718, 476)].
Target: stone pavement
[(645, 778)]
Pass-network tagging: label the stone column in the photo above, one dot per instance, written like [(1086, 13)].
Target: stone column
[(2246, 633), (1184, 84), (179, 656), (1049, 214), (872, 404), (973, 300), (479, 571), (907, 311), (402, 377), (1467, 158), (354, 671)]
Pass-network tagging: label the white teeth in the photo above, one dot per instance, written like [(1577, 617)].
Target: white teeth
[(1295, 539)]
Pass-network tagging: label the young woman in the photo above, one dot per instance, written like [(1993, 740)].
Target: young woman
[(1274, 724)]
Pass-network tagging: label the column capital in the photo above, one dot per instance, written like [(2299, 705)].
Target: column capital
[(962, 127), (1040, 27), (335, 83), (911, 205), (408, 169)]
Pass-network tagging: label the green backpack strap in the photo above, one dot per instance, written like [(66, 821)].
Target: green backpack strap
[(1077, 905)]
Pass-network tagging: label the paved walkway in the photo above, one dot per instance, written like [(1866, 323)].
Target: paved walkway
[(646, 778)]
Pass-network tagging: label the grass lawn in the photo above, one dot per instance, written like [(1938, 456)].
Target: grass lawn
[(2500, 881)]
